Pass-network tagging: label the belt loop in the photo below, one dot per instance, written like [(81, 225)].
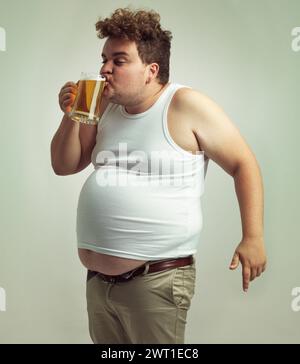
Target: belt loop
[(146, 269)]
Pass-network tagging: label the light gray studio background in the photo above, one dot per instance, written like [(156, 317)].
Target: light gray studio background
[(240, 53)]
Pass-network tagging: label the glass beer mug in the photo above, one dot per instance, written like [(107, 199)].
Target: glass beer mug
[(86, 108)]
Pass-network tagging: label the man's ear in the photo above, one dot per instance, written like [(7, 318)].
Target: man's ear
[(153, 69)]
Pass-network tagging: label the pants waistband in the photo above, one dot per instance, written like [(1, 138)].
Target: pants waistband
[(148, 267)]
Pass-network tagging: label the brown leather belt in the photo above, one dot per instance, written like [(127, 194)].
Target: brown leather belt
[(149, 267)]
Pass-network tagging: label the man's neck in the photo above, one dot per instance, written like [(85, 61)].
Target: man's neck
[(152, 95)]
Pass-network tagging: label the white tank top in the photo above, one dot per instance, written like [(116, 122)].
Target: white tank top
[(142, 201)]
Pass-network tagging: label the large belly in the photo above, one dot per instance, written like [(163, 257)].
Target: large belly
[(107, 264), (122, 225)]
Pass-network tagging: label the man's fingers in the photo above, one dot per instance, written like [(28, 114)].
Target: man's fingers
[(67, 91), (256, 272), (66, 106), (67, 102), (67, 97), (246, 277), (70, 89), (235, 261), (259, 271), (70, 84), (253, 274)]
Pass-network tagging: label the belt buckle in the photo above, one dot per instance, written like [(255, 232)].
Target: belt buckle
[(112, 279), (120, 278), (108, 279), (130, 275), (127, 276)]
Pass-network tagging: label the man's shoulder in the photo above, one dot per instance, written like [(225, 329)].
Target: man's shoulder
[(187, 98)]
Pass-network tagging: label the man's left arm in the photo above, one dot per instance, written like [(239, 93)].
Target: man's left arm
[(222, 142), (250, 252)]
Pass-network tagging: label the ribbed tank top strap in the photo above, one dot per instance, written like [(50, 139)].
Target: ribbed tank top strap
[(167, 101)]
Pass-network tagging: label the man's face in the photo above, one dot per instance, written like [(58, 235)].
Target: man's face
[(125, 72)]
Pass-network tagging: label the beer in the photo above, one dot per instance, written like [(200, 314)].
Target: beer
[(86, 108)]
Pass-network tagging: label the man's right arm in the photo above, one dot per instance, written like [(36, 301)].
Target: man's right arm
[(73, 142), (71, 146)]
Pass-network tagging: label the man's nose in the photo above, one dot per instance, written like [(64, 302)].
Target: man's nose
[(106, 69)]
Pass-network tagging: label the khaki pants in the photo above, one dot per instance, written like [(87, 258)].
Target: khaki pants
[(150, 309)]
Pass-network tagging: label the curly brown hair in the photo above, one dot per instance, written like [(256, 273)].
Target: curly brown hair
[(143, 27)]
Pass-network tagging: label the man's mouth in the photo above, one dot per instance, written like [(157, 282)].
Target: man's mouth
[(107, 87)]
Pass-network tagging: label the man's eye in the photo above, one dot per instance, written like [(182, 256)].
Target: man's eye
[(115, 62)]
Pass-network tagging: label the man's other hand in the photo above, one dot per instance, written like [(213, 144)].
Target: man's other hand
[(251, 253)]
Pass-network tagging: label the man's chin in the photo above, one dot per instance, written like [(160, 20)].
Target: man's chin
[(107, 94)]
